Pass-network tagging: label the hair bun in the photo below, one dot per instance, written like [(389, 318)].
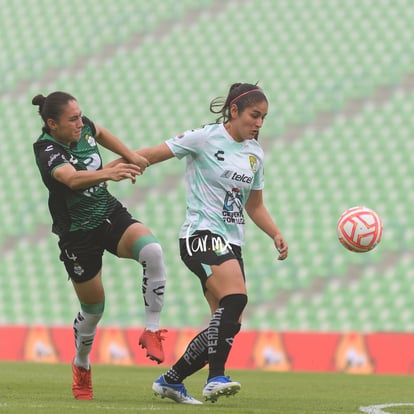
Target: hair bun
[(38, 100)]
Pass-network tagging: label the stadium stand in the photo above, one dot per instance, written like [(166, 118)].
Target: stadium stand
[(338, 134)]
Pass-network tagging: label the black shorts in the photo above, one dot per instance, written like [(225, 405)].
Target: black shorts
[(206, 248), (82, 251)]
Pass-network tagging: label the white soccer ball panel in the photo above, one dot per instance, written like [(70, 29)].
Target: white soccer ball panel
[(359, 229)]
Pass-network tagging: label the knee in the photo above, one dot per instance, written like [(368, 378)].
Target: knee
[(234, 305), (151, 253), (156, 252), (147, 247)]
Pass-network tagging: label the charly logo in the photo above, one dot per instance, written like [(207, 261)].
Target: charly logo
[(219, 155), (206, 243)]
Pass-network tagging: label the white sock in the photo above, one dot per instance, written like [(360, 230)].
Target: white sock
[(153, 283), (84, 328)]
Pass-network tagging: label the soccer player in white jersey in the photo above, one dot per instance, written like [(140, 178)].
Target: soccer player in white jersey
[(224, 177)]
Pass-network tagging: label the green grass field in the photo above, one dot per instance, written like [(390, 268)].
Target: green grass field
[(46, 388)]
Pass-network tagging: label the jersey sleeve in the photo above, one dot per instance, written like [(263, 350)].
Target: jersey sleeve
[(50, 156), (258, 180), (187, 143)]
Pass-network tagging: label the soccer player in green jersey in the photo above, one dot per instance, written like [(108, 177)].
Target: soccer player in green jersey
[(224, 177), (89, 220)]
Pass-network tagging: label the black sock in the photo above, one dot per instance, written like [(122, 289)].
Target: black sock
[(222, 329), (194, 358)]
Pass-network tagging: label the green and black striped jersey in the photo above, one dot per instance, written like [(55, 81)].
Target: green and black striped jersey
[(73, 210)]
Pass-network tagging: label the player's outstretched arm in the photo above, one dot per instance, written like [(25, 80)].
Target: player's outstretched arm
[(78, 180), (154, 155)]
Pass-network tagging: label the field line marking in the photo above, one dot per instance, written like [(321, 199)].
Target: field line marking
[(377, 409)]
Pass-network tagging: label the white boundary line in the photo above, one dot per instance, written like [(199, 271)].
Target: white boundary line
[(377, 409)]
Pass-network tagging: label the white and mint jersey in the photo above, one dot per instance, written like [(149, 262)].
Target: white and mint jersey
[(220, 174)]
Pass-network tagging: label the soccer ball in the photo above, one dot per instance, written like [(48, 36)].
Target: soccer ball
[(359, 229)]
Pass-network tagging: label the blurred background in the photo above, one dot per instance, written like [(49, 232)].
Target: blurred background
[(339, 76)]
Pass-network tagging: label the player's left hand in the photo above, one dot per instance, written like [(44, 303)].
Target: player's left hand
[(281, 246)]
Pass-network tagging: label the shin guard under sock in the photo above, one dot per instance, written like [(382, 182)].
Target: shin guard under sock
[(194, 358), (148, 252), (84, 329), (223, 327)]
